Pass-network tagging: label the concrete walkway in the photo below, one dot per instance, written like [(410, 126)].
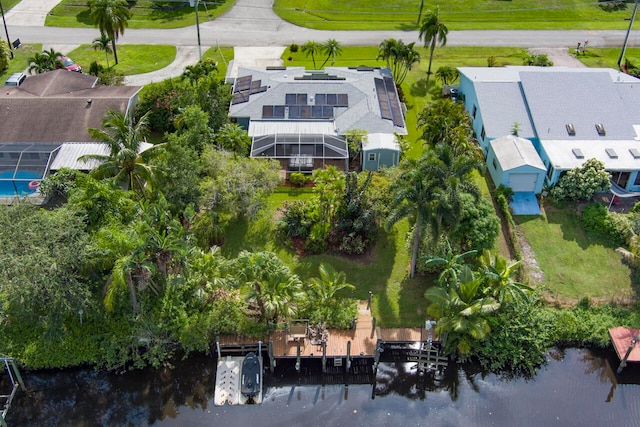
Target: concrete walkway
[(30, 13), (559, 56), (185, 55)]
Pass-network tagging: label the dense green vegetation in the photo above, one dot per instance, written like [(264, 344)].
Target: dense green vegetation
[(458, 14), (144, 14)]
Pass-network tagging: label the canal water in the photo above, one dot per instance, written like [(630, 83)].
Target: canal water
[(576, 387)]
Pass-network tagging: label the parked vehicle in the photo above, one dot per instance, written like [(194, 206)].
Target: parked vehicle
[(68, 64), (15, 79)]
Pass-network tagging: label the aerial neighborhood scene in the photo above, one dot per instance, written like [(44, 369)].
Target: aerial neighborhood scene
[(319, 213)]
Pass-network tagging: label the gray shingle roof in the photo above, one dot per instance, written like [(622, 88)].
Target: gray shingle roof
[(513, 152), (363, 111), (502, 105)]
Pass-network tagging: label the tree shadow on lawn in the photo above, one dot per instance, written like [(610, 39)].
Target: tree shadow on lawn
[(84, 18), (419, 88), (572, 230)]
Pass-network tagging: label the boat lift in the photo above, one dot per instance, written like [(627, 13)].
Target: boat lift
[(16, 381)]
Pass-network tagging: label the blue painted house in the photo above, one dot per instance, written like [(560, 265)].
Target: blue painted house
[(570, 115)]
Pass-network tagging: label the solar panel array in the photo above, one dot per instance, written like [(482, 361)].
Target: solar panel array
[(389, 102), (273, 111), (295, 99), (317, 112), (318, 76), (333, 99), (244, 87)]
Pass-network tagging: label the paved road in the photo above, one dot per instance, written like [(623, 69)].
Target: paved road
[(253, 23)]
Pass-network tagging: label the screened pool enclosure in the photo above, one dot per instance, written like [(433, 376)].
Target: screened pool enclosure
[(23, 166), (302, 152)]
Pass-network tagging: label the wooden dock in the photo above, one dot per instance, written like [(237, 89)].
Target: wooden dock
[(363, 338)]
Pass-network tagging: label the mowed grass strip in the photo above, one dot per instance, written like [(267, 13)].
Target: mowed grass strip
[(133, 59), (20, 61), (574, 264), (607, 57), (457, 14), (145, 14)]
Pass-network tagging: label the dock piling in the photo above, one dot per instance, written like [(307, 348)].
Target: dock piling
[(218, 347), (324, 357), (370, 300), (348, 364), (272, 360), (623, 362), (298, 358)]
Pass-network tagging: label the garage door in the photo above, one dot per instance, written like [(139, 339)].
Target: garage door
[(523, 181)]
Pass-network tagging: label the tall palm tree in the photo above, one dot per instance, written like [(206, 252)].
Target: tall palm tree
[(332, 48), (400, 57), (450, 176), (432, 31), (102, 43), (125, 163), (312, 48), (329, 185), (412, 194), (461, 311), (111, 17)]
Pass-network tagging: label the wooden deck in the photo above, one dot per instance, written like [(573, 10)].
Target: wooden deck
[(621, 338), (363, 339)]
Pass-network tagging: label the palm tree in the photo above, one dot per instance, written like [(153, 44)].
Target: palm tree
[(201, 69), (329, 185), (125, 163), (412, 194), (232, 137), (450, 176), (325, 288), (400, 57), (332, 49), (102, 43), (432, 31), (52, 56), (449, 264), (447, 74), (37, 63), (272, 285), (111, 17), (312, 48), (498, 273), (461, 311)]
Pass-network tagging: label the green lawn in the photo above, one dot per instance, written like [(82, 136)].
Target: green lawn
[(607, 57), (456, 14), (574, 264), (145, 14), (19, 61), (133, 59), (8, 4), (222, 55)]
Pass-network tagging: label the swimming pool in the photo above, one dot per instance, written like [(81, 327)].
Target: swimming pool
[(19, 186)]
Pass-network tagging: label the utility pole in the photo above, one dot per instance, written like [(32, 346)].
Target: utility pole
[(626, 38), (6, 30), (198, 29)]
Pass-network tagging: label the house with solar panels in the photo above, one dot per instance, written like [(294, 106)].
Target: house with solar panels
[(569, 115), (300, 117)]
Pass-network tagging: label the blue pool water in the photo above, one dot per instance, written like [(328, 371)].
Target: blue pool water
[(18, 186)]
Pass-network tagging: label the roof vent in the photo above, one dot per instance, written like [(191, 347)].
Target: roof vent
[(635, 153), (611, 153), (600, 129), (578, 153), (571, 130)]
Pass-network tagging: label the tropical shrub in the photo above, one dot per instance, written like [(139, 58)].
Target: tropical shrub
[(5, 55), (298, 179), (597, 221), (582, 183)]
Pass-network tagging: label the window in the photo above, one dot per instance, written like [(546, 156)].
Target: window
[(495, 164), (372, 157), (475, 110), (550, 172), (483, 134), (637, 180)]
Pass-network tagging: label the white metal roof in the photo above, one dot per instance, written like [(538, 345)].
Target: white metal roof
[(69, 153), (513, 152), (290, 127), (381, 141), (564, 158)]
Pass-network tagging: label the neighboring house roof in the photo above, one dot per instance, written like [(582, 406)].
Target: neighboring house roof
[(575, 113), (58, 106), (513, 152), (69, 153), (363, 110), (381, 141)]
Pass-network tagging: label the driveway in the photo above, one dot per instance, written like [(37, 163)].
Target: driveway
[(30, 12)]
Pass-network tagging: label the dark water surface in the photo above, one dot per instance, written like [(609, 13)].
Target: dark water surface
[(575, 388)]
